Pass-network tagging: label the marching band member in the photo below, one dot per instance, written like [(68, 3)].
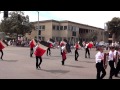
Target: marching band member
[(99, 58), (50, 46), (77, 46), (111, 61), (118, 64), (38, 56), (48, 50), (62, 43), (115, 56), (2, 46), (32, 45), (63, 52), (87, 50)]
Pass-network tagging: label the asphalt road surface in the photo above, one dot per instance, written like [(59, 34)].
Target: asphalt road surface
[(17, 64)]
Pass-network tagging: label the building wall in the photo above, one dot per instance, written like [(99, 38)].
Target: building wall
[(48, 32)]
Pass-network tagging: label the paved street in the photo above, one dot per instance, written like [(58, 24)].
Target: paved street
[(17, 64)]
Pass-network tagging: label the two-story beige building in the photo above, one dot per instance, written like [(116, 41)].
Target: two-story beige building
[(72, 31)]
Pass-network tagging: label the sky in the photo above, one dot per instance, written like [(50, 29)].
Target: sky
[(92, 18)]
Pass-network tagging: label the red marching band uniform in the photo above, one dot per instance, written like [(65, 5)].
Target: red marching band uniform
[(77, 46), (50, 45), (63, 51), (32, 43), (2, 45)]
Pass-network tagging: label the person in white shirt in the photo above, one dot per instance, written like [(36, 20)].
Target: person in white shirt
[(115, 55), (111, 59), (87, 50), (99, 58), (118, 64)]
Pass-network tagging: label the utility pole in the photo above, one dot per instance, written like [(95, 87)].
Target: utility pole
[(38, 27)]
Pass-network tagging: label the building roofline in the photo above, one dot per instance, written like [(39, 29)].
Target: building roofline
[(80, 24), (67, 22)]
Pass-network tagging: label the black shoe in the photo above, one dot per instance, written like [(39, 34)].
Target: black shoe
[(62, 62)]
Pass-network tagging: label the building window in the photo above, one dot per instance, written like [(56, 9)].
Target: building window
[(57, 27), (60, 38), (36, 27), (42, 38), (87, 31), (65, 27), (39, 32), (53, 38), (53, 27), (74, 28), (61, 27), (110, 35), (81, 31), (39, 27), (43, 27), (73, 33)]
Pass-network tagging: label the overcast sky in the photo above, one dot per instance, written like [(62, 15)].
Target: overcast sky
[(92, 18)]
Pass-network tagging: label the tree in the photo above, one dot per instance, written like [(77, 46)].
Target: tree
[(92, 36), (114, 28), (16, 23)]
